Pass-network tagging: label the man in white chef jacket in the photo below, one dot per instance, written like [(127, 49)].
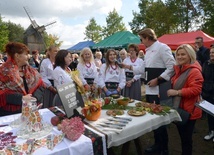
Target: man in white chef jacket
[(158, 56)]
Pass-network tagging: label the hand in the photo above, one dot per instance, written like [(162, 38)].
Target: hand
[(115, 92), (52, 89), (27, 97), (87, 87), (108, 93), (122, 65), (93, 87), (172, 92), (153, 82), (128, 83)]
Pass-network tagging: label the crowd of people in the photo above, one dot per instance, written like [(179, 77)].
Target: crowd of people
[(190, 70)]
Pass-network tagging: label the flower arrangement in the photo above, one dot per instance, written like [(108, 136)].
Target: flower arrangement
[(75, 76), (92, 111), (73, 128)]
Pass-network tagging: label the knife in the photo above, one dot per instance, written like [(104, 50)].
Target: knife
[(116, 124), (3, 125), (123, 118), (117, 121), (110, 129), (110, 126)]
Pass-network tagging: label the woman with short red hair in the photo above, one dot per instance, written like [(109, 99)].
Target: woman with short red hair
[(18, 80)]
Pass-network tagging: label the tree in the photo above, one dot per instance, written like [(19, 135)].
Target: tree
[(186, 13), (207, 18), (3, 34), (169, 17), (93, 31), (16, 32), (114, 24), (153, 14), (50, 39)]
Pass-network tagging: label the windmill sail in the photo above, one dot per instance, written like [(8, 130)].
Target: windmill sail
[(34, 34)]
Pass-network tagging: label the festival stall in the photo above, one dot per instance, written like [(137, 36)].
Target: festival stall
[(118, 40)]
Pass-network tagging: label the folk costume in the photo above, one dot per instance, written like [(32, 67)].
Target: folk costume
[(88, 73), (134, 92), (61, 76), (46, 71), (13, 87), (112, 77)]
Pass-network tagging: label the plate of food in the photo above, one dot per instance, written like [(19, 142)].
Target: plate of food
[(136, 112), (123, 101), (142, 104), (131, 100), (115, 96), (114, 112)]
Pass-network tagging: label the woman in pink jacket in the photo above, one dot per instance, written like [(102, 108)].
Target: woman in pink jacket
[(188, 74)]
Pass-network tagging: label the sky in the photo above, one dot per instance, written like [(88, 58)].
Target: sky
[(71, 16)]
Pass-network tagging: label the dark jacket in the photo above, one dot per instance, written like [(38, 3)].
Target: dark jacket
[(208, 85), (203, 54)]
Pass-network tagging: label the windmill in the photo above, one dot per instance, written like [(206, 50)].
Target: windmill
[(33, 36)]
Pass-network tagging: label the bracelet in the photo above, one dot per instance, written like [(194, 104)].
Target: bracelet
[(177, 93)]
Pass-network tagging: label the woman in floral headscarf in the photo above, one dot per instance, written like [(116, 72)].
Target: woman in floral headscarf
[(18, 80)]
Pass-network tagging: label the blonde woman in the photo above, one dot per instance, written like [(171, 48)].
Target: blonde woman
[(186, 89), (87, 68), (46, 69), (122, 55), (97, 60)]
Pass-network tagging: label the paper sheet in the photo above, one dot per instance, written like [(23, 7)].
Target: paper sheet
[(207, 106)]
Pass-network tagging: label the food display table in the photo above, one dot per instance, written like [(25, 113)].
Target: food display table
[(81, 146), (137, 127), (96, 139)]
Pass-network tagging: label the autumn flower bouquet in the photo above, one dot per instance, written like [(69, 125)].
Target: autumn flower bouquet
[(73, 128), (92, 111)]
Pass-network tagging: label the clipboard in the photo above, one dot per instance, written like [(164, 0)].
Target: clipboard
[(206, 106), (163, 87), (151, 73)]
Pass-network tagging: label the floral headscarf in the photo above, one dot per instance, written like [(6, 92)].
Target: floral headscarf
[(11, 82)]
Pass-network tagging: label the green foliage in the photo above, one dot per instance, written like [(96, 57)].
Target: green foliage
[(93, 31), (50, 39), (16, 32), (169, 16), (206, 8), (153, 14), (186, 14), (114, 24), (3, 35)]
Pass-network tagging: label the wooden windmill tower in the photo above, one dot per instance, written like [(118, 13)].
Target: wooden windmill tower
[(33, 36)]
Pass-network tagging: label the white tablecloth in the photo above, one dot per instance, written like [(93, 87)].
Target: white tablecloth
[(137, 127), (82, 146)]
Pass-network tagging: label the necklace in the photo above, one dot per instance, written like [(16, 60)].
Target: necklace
[(67, 70), (88, 65), (113, 67), (133, 60)]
